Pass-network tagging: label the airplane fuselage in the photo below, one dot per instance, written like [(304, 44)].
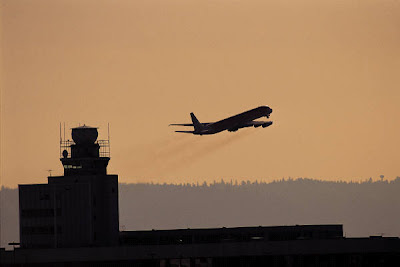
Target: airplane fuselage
[(235, 121)]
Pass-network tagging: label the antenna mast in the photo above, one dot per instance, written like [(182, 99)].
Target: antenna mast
[(50, 172), (60, 139), (108, 130)]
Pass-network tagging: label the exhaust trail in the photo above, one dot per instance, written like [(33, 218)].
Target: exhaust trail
[(170, 154), (189, 152), (145, 158)]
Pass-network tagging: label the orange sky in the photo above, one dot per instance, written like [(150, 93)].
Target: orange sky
[(330, 70)]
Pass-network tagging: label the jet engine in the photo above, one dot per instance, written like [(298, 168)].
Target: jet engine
[(267, 124)]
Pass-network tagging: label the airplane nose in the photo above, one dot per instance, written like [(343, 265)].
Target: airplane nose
[(269, 112)]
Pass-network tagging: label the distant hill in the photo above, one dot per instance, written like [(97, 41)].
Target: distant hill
[(367, 208)]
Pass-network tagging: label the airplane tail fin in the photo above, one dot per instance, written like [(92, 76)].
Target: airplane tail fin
[(197, 125)]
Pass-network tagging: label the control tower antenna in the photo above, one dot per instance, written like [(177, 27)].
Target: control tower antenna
[(50, 172), (108, 130), (60, 138)]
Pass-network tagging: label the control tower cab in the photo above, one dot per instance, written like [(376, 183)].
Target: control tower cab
[(85, 155)]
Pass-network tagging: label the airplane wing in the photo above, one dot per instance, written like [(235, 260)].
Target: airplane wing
[(184, 131), (181, 124), (188, 124)]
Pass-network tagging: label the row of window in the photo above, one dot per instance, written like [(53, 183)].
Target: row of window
[(40, 230), (148, 239), (186, 239), (35, 213), (72, 167), (198, 262)]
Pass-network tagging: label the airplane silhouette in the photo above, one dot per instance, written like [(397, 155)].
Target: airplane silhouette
[(232, 124)]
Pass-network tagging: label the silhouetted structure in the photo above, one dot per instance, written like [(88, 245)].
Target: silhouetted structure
[(73, 221), (77, 209), (230, 235), (301, 245)]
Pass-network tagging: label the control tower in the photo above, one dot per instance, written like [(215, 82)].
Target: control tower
[(79, 208)]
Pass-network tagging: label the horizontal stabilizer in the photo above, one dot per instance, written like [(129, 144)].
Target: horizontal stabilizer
[(184, 131), (181, 124)]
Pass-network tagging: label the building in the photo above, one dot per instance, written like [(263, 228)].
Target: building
[(79, 209), (288, 246)]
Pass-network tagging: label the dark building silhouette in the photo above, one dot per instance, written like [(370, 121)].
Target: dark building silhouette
[(75, 210), (73, 221)]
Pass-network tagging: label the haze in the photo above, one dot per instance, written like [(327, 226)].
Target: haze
[(328, 69)]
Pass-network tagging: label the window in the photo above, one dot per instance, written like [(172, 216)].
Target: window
[(39, 213), (72, 167)]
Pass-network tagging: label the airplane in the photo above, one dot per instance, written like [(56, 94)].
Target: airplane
[(232, 124)]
